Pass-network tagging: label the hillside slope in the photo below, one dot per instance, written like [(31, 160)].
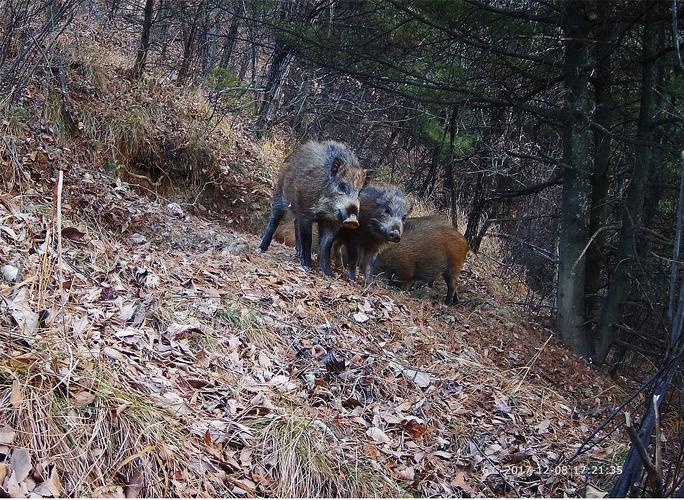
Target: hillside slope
[(150, 352), (174, 361)]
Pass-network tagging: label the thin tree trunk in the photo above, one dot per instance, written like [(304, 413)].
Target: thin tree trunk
[(299, 121), (633, 205), (451, 183), (603, 116), (229, 45), (143, 48), (478, 206), (184, 71), (277, 73), (575, 197)]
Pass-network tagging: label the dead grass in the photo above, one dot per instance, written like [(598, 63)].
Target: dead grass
[(307, 464), (97, 435), (176, 363)]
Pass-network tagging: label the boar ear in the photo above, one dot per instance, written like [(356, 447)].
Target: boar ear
[(336, 164)]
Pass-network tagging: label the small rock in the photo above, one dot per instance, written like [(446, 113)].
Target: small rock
[(9, 273), (175, 210), (138, 239)]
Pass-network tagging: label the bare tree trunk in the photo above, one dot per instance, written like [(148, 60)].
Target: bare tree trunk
[(229, 45), (575, 196), (450, 182), (633, 205), (280, 67), (477, 209), (184, 71), (143, 48), (603, 116), (298, 121)]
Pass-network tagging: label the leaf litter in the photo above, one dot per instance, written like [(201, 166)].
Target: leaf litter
[(157, 356), (242, 375)]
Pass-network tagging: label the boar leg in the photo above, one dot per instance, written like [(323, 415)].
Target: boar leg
[(304, 235), (352, 261), (336, 251), (277, 212), (452, 294), (368, 263), (298, 243), (326, 236)]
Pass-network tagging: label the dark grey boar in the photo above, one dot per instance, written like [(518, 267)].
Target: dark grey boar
[(319, 183), (381, 222)]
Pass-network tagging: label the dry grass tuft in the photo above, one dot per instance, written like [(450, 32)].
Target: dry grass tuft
[(307, 462), (70, 413)]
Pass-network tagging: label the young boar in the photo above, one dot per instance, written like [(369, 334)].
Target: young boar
[(381, 222), (319, 183), (428, 249), (285, 233)]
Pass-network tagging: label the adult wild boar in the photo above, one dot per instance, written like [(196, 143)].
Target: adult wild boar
[(319, 183)]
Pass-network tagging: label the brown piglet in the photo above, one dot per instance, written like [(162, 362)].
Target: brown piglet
[(429, 248)]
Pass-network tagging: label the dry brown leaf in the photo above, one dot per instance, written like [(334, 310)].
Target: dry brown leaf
[(4, 470), (80, 325), (361, 317), (406, 474), (51, 487), (83, 398), (460, 482), (543, 426), (414, 426), (593, 492), (176, 404), (20, 309), (110, 352), (72, 233), (15, 488), (109, 491), (443, 454), (421, 379)]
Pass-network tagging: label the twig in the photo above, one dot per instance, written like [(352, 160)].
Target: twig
[(658, 446), (591, 240), (531, 363), (643, 453), (60, 182)]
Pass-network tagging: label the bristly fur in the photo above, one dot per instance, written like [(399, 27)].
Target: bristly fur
[(429, 249), (319, 183), (383, 209)]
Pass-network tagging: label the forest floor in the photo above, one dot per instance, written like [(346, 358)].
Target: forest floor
[(148, 351)]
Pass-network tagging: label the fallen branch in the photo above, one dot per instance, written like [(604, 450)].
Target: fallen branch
[(643, 453)]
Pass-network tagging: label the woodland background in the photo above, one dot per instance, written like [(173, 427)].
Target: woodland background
[(552, 127)]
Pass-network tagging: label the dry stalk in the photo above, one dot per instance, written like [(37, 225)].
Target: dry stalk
[(60, 183), (530, 364)]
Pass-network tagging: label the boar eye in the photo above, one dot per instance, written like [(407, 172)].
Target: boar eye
[(387, 211), (343, 188)]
